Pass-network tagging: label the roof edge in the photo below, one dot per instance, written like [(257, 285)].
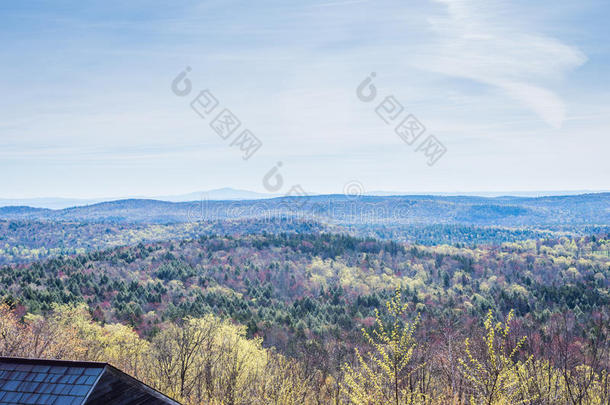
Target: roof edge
[(152, 391), (105, 367), (73, 363), (97, 380)]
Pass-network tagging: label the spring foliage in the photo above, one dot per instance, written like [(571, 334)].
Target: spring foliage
[(383, 378), (209, 360)]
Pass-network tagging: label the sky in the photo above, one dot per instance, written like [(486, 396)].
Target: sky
[(516, 92)]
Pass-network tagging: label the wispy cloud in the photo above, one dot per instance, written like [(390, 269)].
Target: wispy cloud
[(479, 40)]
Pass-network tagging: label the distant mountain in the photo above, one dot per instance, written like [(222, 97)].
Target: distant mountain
[(345, 210), (52, 203), (227, 194), (546, 193), (232, 194)]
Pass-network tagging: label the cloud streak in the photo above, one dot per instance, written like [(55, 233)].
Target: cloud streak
[(477, 41)]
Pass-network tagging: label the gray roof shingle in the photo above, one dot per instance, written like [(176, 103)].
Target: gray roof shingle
[(45, 383), (60, 382)]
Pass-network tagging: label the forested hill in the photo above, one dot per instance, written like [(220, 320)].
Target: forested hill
[(291, 310), (340, 209), (324, 283)]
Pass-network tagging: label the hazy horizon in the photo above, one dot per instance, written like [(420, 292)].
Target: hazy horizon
[(231, 194)]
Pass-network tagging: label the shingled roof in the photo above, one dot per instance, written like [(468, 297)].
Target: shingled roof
[(60, 382)]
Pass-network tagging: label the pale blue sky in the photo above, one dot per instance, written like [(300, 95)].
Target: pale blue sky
[(519, 93)]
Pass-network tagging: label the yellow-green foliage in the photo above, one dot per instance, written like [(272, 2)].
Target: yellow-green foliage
[(382, 379), (200, 361), (209, 360), (494, 372)]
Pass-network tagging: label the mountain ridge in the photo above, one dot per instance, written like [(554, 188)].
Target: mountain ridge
[(342, 209)]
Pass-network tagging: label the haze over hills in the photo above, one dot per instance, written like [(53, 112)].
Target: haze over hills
[(340, 209), (30, 233), (233, 194), (225, 193)]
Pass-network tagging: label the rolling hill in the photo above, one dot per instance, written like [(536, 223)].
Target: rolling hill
[(585, 209)]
